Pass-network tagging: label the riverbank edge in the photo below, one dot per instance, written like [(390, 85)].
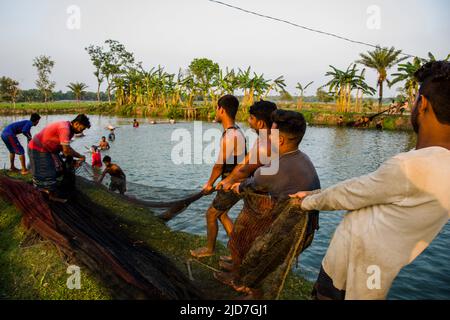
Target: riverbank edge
[(34, 269), (313, 117)]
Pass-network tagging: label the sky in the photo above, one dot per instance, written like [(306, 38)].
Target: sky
[(171, 33)]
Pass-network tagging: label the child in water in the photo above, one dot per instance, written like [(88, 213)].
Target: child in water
[(96, 161), (96, 157)]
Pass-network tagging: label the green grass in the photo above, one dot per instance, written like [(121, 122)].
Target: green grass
[(49, 105), (38, 271), (56, 107), (35, 270)]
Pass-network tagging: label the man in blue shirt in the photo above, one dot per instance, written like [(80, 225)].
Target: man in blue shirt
[(9, 137)]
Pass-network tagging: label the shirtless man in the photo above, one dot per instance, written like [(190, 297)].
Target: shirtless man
[(260, 120), (103, 144), (118, 178), (295, 170), (232, 151)]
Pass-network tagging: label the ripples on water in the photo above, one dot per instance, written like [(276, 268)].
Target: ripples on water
[(338, 154)]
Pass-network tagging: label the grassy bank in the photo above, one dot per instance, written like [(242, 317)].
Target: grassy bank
[(315, 113), (31, 268), (55, 107)]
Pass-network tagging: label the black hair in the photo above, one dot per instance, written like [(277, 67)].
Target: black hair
[(103, 137), (106, 159), (82, 119), (291, 123), (35, 117), (434, 79), (230, 104), (262, 110)]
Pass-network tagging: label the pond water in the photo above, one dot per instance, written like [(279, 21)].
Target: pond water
[(338, 154)]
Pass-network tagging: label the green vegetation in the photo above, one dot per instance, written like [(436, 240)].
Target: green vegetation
[(342, 84), (60, 107), (406, 71), (302, 89), (192, 93), (381, 59), (78, 89), (36, 270), (44, 66), (9, 90)]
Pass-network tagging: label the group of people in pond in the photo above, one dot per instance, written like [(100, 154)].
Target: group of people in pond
[(393, 214), (136, 123)]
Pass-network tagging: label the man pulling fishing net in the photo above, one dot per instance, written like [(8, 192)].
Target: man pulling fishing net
[(267, 188), (46, 150), (232, 152)]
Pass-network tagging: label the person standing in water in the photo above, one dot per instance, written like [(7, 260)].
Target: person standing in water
[(96, 157), (112, 134), (103, 144), (118, 178), (232, 152), (9, 137), (135, 124)]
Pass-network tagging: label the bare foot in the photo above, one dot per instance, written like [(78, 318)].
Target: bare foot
[(14, 169), (252, 294), (24, 172), (52, 197), (226, 258), (227, 266), (202, 252), (229, 279)]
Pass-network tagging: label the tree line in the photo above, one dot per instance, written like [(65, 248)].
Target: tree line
[(129, 83)]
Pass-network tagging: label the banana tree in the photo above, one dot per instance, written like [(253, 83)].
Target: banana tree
[(302, 89), (245, 85), (406, 71), (337, 85), (278, 85)]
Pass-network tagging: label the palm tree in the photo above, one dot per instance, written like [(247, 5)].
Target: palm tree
[(381, 59), (78, 88), (302, 89)]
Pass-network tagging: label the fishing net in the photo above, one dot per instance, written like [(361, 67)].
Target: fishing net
[(266, 239), (267, 236), (269, 260), (254, 220), (163, 201), (84, 231)]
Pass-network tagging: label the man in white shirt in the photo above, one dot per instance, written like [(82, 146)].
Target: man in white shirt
[(395, 212)]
